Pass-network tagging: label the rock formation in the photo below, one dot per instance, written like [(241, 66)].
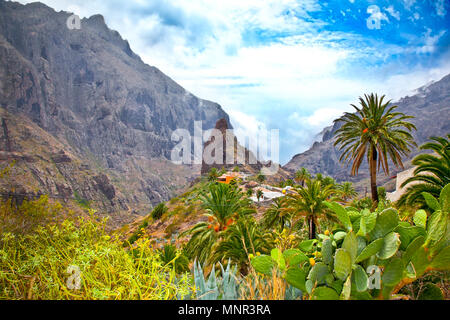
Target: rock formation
[(85, 91)]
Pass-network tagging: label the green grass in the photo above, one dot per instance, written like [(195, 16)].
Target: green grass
[(35, 265)]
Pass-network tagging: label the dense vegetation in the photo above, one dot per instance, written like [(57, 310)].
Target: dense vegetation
[(318, 241)]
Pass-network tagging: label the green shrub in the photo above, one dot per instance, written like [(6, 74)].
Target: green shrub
[(158, 211), (47, 263)]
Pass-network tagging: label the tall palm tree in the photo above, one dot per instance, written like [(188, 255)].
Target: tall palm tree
[(308, 202), (278, 215), (301, 176), (223, 204), (377, 130), (432, 172), (259, 194), (346, 190)]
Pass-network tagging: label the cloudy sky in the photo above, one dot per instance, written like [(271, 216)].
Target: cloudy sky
[(292, 65)]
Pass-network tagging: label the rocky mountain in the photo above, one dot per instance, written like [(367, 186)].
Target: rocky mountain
[(83, 116), (430, 105)]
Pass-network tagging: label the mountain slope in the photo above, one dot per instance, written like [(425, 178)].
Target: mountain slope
[(98, 101), (431, 108)]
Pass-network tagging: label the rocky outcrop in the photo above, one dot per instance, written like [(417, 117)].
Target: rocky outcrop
[(105, 186), (228, 153), (430, 106), (98, 101), (218, 150)]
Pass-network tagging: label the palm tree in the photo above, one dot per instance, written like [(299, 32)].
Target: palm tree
[(301, 176), (432, 172), (223, 204), (241, 239), (346, 191), (328, 181), (259, 194), (278, 215), (308, 202), (319, 177), (213, 174), (378, 131)]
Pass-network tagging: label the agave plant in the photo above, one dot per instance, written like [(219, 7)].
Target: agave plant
[(215, 288), (431, 174)]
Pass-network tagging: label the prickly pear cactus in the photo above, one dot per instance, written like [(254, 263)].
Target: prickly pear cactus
[(372, 255)]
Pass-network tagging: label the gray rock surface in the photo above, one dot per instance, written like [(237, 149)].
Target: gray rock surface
[(94, 95)]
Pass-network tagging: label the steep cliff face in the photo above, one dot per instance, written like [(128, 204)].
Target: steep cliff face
[(94, 96), (228, 153), (431, 108), (219, 150)]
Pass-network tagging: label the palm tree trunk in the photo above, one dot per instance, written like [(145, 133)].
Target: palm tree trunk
[(373, 175), (312, 227)]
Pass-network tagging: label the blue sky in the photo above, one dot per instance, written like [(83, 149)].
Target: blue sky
[(284, 64)]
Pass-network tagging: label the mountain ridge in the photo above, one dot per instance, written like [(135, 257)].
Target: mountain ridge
[(97, 99)]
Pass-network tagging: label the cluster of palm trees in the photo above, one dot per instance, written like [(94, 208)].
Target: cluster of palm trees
[(230, 225), (376, 131), (232, 232)]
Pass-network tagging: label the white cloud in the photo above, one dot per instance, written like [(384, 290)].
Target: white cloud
[(392, 12), (298, 84), (409, 3), (440, 8), (430, 42)]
